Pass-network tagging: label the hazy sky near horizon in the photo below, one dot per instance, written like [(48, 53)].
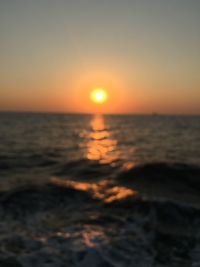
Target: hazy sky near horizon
[(146, 53)]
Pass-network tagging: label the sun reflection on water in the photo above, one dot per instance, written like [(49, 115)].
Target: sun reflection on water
[(100, 145), (101, 190)]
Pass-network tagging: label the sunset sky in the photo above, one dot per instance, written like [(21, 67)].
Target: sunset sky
[(144, 53)]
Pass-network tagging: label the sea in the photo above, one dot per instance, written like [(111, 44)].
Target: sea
[(99, 190)]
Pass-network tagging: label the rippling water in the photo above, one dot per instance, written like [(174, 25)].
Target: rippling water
[(104, 191), (33, 140)]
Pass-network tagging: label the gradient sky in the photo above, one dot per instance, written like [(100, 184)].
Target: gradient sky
[(146, 53)]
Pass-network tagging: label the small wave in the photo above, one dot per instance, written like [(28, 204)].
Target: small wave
[(84, 169), (177, 182), (14, 163), (28, 199)]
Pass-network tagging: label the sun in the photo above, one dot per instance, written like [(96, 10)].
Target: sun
[(99, 95)]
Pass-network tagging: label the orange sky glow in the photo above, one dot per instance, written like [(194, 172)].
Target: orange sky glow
[(148, 62)]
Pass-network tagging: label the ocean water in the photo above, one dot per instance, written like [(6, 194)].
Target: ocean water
[(99, 190), (37, 140)]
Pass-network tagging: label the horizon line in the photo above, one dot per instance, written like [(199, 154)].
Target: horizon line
[(95, 113)]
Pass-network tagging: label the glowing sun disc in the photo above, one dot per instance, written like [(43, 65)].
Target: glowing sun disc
[(99, 96)]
